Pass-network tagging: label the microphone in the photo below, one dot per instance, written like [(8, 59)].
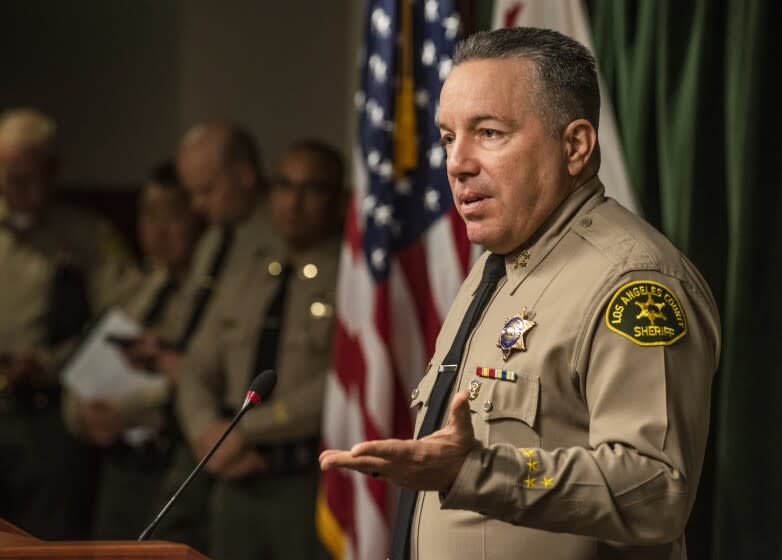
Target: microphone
[(259, 390)]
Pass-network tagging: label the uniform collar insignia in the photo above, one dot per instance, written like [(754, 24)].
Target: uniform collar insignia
[(520, 259), (513, 333)]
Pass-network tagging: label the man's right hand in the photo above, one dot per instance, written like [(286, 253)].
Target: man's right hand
[(141, 352), (100, 422)]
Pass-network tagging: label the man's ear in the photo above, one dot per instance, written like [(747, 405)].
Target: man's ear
[(580, 141)]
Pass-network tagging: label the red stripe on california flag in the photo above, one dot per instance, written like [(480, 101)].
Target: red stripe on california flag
[(421, 292)]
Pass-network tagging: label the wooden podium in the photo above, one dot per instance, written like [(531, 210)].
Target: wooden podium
[(19, 545)]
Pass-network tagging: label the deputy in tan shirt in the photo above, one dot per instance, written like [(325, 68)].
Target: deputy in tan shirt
[(220, 167), (59, 268), (137, 433), (276, 311), (580, 407)]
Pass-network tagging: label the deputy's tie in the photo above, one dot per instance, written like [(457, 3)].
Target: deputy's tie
[(154, 313), (493, 270), (205, 290), (274, 317)]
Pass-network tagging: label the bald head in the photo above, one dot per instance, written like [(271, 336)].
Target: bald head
[(219, 165)]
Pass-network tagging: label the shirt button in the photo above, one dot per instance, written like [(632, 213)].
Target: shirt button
[(487, 406), (414, 394), (586, 221)]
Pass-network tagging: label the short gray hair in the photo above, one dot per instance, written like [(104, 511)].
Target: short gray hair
[(27, 129), (567, 87)]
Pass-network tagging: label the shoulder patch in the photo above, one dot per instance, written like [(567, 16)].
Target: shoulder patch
[(647, 313)]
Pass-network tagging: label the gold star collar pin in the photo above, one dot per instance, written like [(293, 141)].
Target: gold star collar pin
[(513, 333), (520, 260)]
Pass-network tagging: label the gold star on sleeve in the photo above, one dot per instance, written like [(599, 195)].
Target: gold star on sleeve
[(527, 452), (548, 482), (529, 482), (532, 465)]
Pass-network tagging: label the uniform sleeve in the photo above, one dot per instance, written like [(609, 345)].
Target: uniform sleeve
[(648, 409), (112, 275)]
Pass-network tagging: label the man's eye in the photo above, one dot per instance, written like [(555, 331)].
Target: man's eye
[(490, 133), (446, 141)]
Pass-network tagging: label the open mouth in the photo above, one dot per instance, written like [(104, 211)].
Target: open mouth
[(469, 199), (471, 202)]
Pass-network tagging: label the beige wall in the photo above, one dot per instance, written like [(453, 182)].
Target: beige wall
[(125, 78)]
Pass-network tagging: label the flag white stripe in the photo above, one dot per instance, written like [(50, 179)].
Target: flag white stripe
[(371, 529), (443, 265), (570, 18), (354, 291), (406, 337)]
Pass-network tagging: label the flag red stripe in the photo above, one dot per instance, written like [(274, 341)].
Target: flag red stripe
[(340, 498), (350, 369)]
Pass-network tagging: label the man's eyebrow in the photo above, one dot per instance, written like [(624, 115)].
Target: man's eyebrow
[(476, 120)]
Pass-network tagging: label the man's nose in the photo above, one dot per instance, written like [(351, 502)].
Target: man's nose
[(461, 159)]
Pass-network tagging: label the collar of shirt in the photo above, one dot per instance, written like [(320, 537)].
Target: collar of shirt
[(255, 233), (521, 262), (323, 255)]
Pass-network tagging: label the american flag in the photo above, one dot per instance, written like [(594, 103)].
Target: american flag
[(404, 256)]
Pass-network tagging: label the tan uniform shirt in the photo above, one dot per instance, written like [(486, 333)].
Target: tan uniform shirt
[(143, 409), (138, 304), (595, 449), (219, 364), (29, 259)]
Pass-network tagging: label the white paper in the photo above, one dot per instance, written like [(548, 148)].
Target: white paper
[(98, 369)]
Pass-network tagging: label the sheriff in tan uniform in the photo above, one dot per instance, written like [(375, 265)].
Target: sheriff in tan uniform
[(578, 354), (273, 310), (595, 424)]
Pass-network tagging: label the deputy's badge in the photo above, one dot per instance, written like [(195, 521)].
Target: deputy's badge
[(513, 333), (647, 313)]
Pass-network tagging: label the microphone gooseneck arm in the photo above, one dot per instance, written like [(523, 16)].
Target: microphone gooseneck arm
[(260, 389), (152, 526)]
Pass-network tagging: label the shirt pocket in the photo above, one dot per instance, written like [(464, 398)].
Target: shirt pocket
[(308, 325), (506, 412)]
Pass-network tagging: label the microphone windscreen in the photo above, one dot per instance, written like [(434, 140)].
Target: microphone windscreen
[(263, 383)]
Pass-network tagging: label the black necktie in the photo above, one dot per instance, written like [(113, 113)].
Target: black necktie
[(68, 305), (204, 293), (154, 312), (493, 270), (274, 316)]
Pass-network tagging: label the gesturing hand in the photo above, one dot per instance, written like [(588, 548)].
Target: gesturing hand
[(430, 463)]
